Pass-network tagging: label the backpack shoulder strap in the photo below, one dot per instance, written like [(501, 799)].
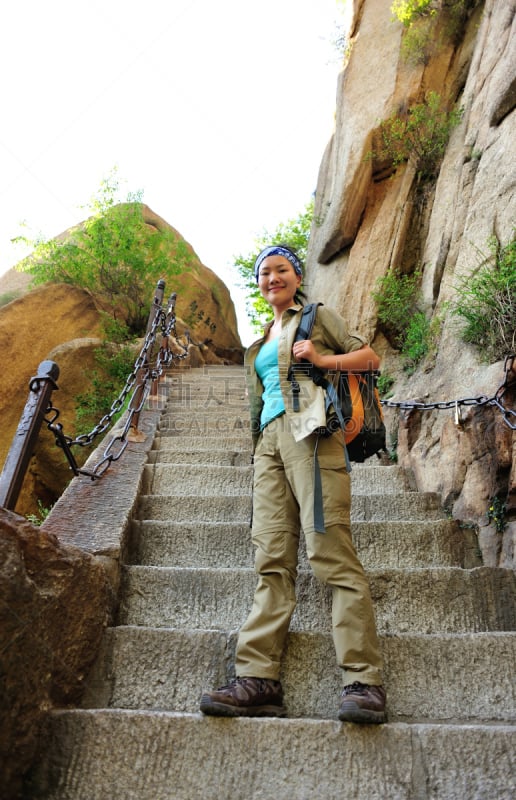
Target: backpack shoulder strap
[(304, 330)]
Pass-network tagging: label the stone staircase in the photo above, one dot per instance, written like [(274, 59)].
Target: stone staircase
[(445, 623)]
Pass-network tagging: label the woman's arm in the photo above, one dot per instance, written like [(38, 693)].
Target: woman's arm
[(357, 360)]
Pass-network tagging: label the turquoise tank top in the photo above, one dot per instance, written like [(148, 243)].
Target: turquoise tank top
[(266, 365)]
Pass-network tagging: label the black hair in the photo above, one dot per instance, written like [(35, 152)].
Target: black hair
[(300, 297)]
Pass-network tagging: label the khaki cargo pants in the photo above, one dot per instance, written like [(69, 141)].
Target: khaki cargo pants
[(282, 504)]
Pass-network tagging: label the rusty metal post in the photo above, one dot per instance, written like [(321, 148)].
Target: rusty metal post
[(22, 447), (156, 303), (171, 304), (134, 434)]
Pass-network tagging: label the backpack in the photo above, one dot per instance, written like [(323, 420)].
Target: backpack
[(352, 400)]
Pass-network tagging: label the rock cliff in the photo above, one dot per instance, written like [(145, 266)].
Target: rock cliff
[(369, 219)]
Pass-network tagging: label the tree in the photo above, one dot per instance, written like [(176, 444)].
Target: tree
[(114, 255), (295, 234)]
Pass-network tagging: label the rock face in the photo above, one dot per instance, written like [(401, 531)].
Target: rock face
[(31, 327), (55, 606), (204, 304), (62, 323), (368, 220)]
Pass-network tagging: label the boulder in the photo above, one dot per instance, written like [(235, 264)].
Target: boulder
[(63, 323)]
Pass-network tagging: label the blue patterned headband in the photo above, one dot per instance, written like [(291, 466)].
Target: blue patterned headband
[(278, 251)]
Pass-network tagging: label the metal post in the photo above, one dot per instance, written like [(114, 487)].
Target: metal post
[(22, 447), (134, 434), (156, 303)]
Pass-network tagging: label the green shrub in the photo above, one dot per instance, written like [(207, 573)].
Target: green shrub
[(420, 135), (417, 336), (421, 37), (496, 514), (114, 330), (40, 517), (407, 327), (114, 365), (418, 42), (396, 298), (486, 302), (384, 384), (113, 253), (421, 340), (406, 11)]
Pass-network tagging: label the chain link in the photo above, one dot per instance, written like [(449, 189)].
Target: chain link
[(498, 400), (140, 379)]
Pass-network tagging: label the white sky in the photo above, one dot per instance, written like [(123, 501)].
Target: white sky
[(219, 110)]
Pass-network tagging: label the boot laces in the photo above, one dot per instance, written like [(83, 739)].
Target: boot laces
[(355, 688)]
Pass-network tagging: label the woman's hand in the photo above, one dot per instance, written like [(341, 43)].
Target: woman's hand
[(305, 351)]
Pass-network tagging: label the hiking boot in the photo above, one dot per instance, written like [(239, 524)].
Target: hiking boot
[(362, 703), (245, 697)]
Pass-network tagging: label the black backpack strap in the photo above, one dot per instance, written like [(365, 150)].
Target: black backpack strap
[(304, 331), (345, 397)]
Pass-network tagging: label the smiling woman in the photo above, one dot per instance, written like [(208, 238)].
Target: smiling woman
[(286, 492)]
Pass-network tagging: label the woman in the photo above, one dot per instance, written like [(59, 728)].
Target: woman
[(285, 442)]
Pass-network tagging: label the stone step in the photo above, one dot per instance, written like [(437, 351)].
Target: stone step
[(152, 668), (216, 455), (202, 392), (240, 442), (141, 755), (189, 423), (192, 508), (202, 398), (214, 388), (450, 600), (235, 508), (166, 475), (198, 479), (434, 543)]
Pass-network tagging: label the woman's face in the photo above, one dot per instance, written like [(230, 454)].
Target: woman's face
[(278, 281)]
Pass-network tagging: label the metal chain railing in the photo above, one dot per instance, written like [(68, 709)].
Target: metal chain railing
[(140, 381), (39, 408), (498, 399)]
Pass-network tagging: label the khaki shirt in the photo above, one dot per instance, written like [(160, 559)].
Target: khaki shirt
[(329, 335)]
